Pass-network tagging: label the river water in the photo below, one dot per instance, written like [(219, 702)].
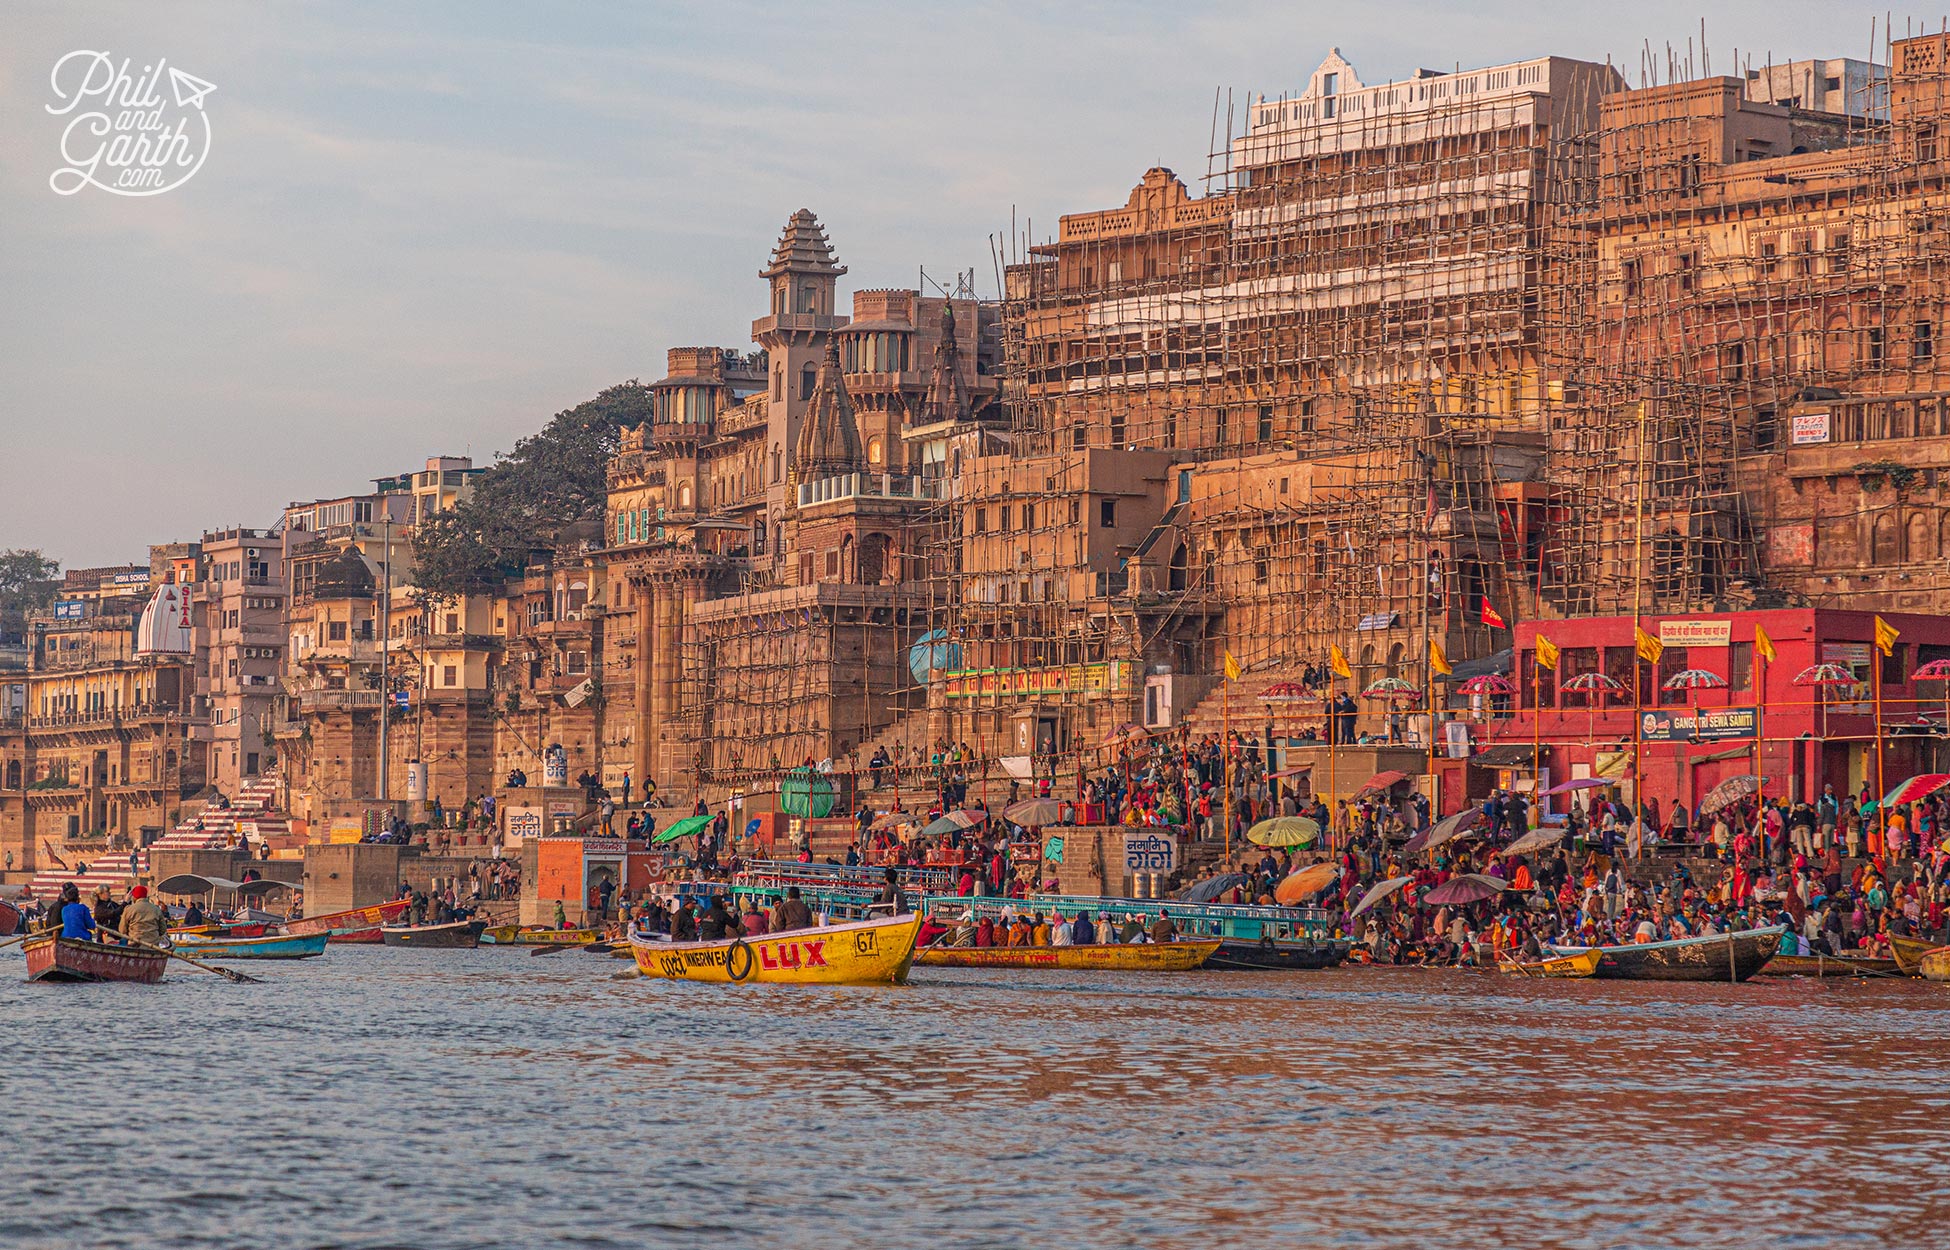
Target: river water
[(433, 1099)]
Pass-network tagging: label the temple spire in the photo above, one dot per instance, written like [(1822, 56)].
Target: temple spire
[(947, 395), (829, 438)]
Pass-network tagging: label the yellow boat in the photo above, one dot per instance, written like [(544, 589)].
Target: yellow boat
[(1582, 964), (1908, 954), (1935, 964), (1099, 957), (515, 935), (860, 953)]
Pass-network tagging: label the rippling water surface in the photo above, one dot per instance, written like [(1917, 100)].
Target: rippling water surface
[(434, 1099)]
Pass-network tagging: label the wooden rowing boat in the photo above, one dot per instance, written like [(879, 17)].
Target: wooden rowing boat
[(1908, 953), (277, 946), (9, 919), (1583, 964), (1831, 966), (1721, 957), (1935, 964), (1099, 957), (359, 924), (859, 953), (515, 935), (59, 959), (1239, 955), (454, 935)]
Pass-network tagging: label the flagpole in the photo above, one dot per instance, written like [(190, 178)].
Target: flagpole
[(1760, 738), (1882, 816), (1638, 593), (1225, 754)]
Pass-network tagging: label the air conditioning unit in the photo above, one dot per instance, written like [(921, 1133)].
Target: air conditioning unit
[(250, 552)]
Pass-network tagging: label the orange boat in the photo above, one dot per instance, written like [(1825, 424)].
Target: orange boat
[(360, 924)]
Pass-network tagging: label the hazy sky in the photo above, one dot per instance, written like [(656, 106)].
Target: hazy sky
[(424, 228)]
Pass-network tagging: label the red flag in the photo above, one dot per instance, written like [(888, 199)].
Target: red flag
[(1491, 617)]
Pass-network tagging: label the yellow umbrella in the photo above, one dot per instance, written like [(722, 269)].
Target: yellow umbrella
[(1284, 831)]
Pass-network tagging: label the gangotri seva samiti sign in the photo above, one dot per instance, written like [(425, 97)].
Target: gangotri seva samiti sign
[(124, 134)]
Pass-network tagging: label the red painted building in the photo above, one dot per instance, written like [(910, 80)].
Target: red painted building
[(1809, 736)]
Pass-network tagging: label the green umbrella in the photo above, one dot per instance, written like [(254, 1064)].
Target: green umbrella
[(683, 828)]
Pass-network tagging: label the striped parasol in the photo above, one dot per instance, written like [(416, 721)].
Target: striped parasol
[(1393, 689), (1935, 670), (1287, 692), (1916, 788), (1694, 679), (1593, 683), (1129, 731), (1489, 683), (1824, 675)]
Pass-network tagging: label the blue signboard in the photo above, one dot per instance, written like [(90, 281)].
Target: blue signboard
[(1707, 724), (70, 609)]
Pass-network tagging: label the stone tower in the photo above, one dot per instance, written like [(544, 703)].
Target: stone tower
[(804, 276)]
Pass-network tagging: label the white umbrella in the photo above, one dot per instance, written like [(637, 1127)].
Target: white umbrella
[(1379, 892)]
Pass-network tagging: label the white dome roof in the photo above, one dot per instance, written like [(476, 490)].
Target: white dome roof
[(165, 626)]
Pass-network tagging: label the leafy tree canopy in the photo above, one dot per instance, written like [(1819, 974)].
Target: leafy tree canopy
[(553, 478), (28, 580)]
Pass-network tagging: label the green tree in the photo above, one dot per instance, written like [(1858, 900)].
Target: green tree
[(553, 478), (28, 580)]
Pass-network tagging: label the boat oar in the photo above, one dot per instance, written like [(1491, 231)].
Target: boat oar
[(553, 947), (32, 933), (227, 974)]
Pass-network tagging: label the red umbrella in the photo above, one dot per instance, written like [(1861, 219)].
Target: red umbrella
[(1287, 692), (1491, 683), (1694, 679), (1824, 675), (1916, 788), (1471, 887), (1593, 684), (1381, 781), (1935, 670)]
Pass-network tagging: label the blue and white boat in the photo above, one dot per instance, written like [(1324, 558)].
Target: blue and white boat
[(278, 946)]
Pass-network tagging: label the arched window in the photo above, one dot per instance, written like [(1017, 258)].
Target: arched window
[(1177, 576), (776, 460), (1885, 549), (874, 451), (778, 381), (684, 495), (808, 380), (1918, 546), (1395, 660)]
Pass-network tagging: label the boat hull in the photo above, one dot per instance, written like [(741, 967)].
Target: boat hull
[(863, 952), (515, 935), (304, 946), (1724, 957), (1935, 964), (1238, 955), (1830, 966), (58, 959), (460, 935), (1098, 957), (9, 920), (1584, 964), (1908, 953), (359, 924)]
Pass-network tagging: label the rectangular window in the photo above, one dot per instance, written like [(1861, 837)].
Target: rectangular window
[(981, 520), (1266, 423), (448, 675), (1922, 340), (1740, 666), (335, 631), (1107, 513)]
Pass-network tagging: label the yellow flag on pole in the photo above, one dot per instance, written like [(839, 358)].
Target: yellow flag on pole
[(1886, 635), (1232, 668), (1648, 647), (1546, 652), (1763, 645), (1437, 660), (1338, 662)]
